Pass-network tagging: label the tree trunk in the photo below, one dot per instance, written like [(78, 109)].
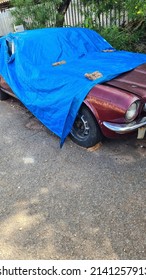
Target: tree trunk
[(61, 12)]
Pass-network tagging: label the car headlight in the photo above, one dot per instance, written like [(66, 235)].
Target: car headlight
[(132, 111)]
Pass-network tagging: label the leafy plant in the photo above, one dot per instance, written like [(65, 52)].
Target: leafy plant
[(136, 9), (123, 39), (39, 13)]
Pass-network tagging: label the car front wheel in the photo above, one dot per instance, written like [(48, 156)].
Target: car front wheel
[(85, 131)]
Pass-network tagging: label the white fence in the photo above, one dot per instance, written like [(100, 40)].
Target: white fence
[(6, 24), (75, 15)]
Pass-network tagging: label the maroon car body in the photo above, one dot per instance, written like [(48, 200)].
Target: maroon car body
[(108, 104), (110, 101)]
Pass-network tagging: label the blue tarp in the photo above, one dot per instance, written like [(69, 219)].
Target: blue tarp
[(55, 93)]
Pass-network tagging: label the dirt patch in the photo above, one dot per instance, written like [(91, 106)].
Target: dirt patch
[(34, 124)]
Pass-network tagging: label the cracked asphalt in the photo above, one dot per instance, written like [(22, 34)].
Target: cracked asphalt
[(69, 203)]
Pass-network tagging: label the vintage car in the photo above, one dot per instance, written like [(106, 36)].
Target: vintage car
[(110, 109)]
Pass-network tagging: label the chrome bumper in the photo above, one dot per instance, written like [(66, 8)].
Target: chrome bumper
[(125, 127)]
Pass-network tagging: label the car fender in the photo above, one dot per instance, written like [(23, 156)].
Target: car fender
[(109, 104)]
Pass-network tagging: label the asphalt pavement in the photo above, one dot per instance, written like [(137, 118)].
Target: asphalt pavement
[(69, 203)]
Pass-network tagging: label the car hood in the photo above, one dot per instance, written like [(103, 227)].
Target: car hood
[(133, 81)]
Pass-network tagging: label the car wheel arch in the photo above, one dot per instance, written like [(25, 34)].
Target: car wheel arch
[(92, 109)]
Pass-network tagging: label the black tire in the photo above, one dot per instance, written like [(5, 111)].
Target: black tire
[(85, 131), (3, 95)]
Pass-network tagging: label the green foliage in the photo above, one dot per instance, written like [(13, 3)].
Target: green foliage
[(123, 39), (120, 38), (136, 9), (98, 12), (34, 14), (104, 5)]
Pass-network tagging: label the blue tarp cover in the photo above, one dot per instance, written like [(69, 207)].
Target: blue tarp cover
[(55, 93)]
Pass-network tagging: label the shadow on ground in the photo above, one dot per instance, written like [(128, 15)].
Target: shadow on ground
[(68, 203)]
